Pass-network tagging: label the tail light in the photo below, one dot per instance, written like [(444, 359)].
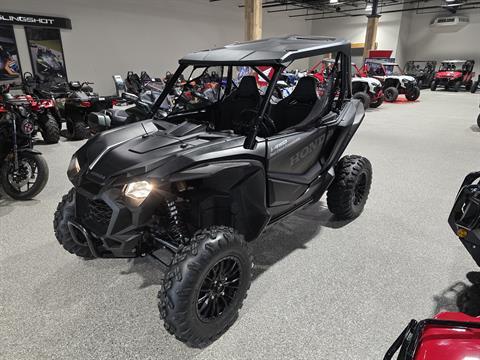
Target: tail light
[(85, 104), (114, 102)]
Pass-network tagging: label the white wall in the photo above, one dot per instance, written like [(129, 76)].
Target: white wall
[(354, 28), (114, 36), (424, 44)]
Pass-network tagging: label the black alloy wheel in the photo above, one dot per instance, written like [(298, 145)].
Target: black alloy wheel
[(218, 289)]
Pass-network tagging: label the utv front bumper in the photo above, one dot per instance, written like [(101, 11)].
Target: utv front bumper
[(108, 223), (464, 218)]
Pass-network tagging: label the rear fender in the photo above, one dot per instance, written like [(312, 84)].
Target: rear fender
[(349, 120), (228, 193)]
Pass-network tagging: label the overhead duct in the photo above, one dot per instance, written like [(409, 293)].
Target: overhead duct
[(449, 23)]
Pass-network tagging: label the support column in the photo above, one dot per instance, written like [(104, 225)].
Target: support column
[(371, 35), (372, 26), (253, 19)]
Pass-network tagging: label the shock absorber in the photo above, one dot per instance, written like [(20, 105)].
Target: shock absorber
[(176, 229)]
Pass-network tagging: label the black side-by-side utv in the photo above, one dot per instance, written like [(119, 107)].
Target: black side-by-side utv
[(194, 186)]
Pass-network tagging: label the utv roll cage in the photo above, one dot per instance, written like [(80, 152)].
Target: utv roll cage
[(277, 53)]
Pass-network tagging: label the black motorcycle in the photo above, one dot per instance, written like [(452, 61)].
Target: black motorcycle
[(80, 102), (23, 171)]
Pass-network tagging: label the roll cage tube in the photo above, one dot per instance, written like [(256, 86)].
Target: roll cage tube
[(250, 140), (167, 88)]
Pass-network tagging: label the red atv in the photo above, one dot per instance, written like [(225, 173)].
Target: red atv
[(453, 74), (448, 336), (43, 111)]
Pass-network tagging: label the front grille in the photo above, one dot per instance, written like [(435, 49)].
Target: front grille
[(94, 214)]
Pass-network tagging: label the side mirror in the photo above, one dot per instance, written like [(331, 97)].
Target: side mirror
[(251, 140)]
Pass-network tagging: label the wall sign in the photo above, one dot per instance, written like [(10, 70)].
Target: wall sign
[(10, 71), (46, 53), (34, 20)]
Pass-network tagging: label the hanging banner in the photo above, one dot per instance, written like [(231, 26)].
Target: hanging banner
[(34, 20), (46, 53), (10, 71)]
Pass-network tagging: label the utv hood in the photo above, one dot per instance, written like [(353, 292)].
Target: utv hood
[(142, 147)]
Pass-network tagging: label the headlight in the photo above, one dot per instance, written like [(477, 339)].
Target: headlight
[(73, 167), (138, 190)]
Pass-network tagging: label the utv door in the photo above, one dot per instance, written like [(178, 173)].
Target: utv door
[(293, 163)]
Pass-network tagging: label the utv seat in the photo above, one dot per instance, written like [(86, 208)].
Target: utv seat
[(294, 108), (246, 96)]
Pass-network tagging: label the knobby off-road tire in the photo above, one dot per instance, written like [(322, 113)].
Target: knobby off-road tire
[(40, 181), (391, 94), (65, 212), (457, 86), (80, 131), (349, 191), (364, 98), (474, 87), (186, 304), (478, 120), (433, 86), (377, 103), (413, 94), (50, 130)]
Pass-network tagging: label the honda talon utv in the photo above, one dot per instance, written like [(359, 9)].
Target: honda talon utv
[(422, 71), (394, 81), (453, 74), (194, 186)]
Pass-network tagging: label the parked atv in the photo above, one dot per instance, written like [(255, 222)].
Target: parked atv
[(454, 74), (193, 187), (393, 79), (422, 71), (23, 171), (80, 102), (367, 89), (449, 335)]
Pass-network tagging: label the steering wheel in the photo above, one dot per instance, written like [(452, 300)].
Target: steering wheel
[(265, 128)]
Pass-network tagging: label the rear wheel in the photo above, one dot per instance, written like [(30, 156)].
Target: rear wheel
[(28, 180), (205, 286), (433, 86), (391, 94), (377, 103), (66, 212), (478, 120), (349, 191), (364, 98), (80, 131), (457, 86), (420, 84), (474, 87), (50, 129), (412, 94)]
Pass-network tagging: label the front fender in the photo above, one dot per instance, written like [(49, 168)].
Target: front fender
[(228, 193)]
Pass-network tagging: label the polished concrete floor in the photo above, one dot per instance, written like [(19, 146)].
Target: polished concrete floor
[(322, 290)]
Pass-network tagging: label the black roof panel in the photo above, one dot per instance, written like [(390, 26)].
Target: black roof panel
[(276, 50)]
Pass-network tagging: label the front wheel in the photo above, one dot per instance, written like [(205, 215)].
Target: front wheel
[(66, 212), (349, 191), (457, 85), (205, 286), (391, 94), (412, 94), (364, 98), (50, 129), (80, 131), (28, 180), (433, 86), (478, 120)]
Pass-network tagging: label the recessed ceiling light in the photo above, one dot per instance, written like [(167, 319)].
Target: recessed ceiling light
[(333, 1)]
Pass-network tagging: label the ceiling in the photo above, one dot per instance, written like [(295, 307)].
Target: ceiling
[(327, 9)]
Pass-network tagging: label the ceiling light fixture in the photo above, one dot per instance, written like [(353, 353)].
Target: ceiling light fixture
[(333, 1)]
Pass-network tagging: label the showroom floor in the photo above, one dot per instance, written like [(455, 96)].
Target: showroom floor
[(322, 289)]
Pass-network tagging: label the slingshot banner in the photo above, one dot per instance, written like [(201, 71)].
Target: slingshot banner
[(46, 53), (7, 18), (10, 71)]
